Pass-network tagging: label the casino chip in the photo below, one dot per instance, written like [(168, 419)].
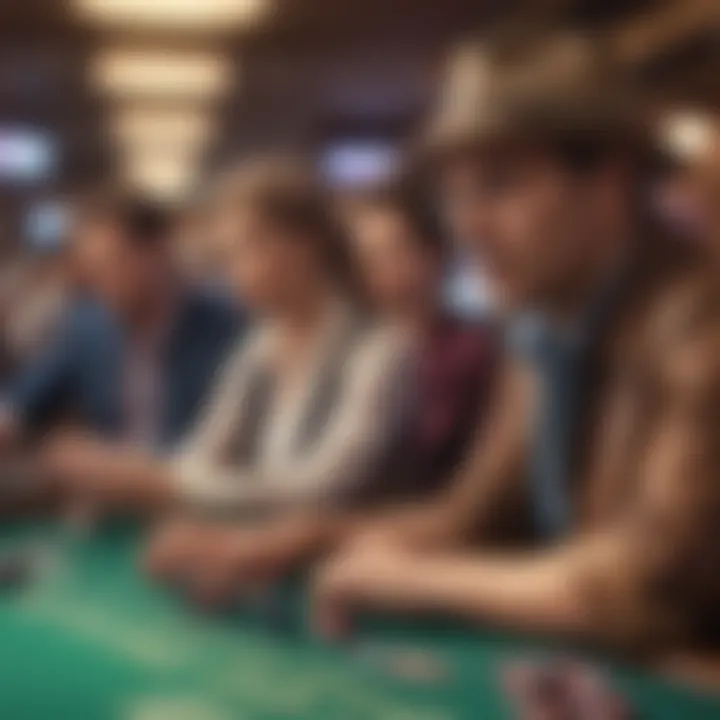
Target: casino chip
[(563, 689)]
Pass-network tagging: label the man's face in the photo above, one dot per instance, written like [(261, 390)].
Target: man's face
[(111, 266), (523, 217)]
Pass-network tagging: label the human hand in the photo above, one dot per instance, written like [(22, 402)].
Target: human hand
[(76, 462), (369, 575), (177, 546), (240, 562)]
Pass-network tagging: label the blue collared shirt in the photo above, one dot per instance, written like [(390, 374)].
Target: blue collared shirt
[(83, 371), (559, 358)]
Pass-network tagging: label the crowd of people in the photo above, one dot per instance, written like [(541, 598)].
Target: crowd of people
[(554, 468)]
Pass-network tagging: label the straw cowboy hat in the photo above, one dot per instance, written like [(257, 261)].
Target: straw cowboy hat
[(532, 87)]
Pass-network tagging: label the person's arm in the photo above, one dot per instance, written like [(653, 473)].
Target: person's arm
[(368, 418), (482, 502), (483, 498), (123, 476), (612, 585)]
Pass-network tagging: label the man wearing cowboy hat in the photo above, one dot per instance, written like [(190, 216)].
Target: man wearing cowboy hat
[(590, 506)]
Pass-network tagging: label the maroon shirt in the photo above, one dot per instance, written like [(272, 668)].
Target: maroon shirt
[(456, 371)]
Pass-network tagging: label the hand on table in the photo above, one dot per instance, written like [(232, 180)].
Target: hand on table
[(179, 545), (369, 575), (216, 564), (226, 570)]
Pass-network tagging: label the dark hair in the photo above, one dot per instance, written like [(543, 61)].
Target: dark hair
[(409, 198), (288, 194), (142, 221), (584, 153)]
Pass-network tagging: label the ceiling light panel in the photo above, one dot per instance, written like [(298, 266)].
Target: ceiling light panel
[(163, 175), (204, 15), (145, 127), (161, 74)]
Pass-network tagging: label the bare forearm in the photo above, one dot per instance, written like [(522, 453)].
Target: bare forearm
[(546, 592), (145, 478), (414, 527), (117, 477), (535, 595)]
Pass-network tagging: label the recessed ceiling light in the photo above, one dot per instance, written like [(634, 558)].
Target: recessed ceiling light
[(148, 128), (164, 175), (161, 73), (216, 15)]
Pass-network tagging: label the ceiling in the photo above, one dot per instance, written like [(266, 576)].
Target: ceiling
[(312, 69)]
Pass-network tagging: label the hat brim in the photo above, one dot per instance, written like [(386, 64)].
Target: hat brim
[(438, 146)]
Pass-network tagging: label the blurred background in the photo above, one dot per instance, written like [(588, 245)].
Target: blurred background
[(155, 92)]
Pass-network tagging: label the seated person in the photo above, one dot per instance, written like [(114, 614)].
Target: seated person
[(309, 409), (135, 354), (402, 256), (600, 461)]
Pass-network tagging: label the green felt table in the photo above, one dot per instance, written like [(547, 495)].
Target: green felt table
[(91, 639)]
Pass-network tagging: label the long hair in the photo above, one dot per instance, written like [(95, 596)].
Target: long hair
[(406, 196)]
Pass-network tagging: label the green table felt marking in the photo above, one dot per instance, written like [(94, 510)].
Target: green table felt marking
[(92, 639)]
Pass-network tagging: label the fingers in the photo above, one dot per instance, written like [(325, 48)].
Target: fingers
[(173, 549), (367, 576), (212, 587), (336, 595), (216, 567), (331, 617), (228, 573), (211, 565)]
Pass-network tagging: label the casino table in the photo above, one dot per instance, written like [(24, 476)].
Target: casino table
[(89, 638)]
